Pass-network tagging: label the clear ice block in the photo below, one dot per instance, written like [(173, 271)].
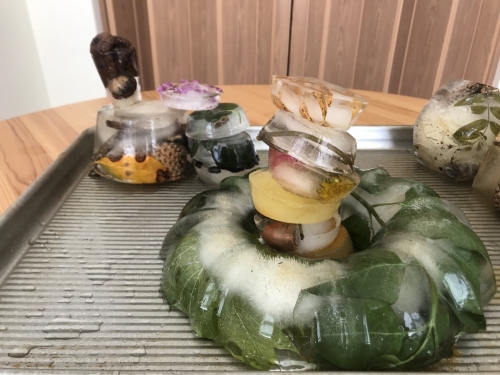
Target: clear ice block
[(310, 160), (189, 95), (140, 144), (223, 121), (318, 101), (456, 127), (216, 159), (487, 180)]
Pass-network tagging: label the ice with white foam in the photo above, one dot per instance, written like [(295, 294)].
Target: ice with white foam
[(271, 284)]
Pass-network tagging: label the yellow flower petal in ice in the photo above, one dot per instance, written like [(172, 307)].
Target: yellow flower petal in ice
[(128, 169)]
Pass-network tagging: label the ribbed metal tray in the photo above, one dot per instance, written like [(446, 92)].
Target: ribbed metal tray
[(80, 270)]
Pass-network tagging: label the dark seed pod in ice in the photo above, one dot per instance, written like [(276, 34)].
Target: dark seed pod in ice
[(123, 86), (113, 56), (283, 237)]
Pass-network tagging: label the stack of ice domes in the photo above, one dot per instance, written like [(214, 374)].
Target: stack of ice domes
[(311, 167), (219, 146)]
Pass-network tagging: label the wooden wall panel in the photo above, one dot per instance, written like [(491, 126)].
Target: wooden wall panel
[(424, 47), (482, 51), (204, 31), (375, 43), (464, 28), (281, 38), (239, 40), (403, 33), (170, 42), (306, 37), (144, 43), (405, 47), (124, 19), (343, 33), (219, 42)]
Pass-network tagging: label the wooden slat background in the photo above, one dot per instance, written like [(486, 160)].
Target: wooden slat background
[(407, 47)]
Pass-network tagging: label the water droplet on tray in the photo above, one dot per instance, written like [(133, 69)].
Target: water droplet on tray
[(69, 289), (23, 350), (138, 353), (29, 288), (89, 301), (68, 296), (34, 315), (86, 295), (3, 328), (64, 327)]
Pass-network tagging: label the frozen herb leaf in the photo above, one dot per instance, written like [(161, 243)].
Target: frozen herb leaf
[(472, 99), (495, 111), (360, 230), (227, 106), (128, 169), (353, 332), (494, 127), (470, 131), (478, 109), (249, 335)]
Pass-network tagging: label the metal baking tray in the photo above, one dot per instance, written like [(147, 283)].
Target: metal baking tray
[(80, 270)]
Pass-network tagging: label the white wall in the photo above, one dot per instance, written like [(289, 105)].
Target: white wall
[(22, 85), (45, 60), (63, 30)]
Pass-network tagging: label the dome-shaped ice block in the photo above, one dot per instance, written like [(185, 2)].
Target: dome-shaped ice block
[(225, 120)]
